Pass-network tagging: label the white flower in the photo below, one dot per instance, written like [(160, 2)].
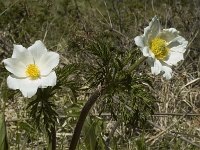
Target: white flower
[(163, 48), (31, 68)]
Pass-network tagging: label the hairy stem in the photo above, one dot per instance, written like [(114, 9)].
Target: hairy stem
[(84, 112), (91, 101), (53, 137), (137, 63)]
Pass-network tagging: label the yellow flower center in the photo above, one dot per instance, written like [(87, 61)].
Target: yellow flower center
[(159, 48), (33, 71)]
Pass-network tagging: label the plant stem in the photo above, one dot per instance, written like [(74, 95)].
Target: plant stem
[(84, 112), (86, 108), (53, 137), (137, 63)]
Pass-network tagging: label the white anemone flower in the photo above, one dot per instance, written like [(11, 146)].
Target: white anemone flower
[(163, 48), (31, 68)]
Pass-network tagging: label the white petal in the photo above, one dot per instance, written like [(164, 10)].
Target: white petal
[(174, 58), (18, 49), (26, 86), (146, 51), (168, 34), (173, 43), (152, 30), (156, 68), (179, 44), (151, 54), (139, 41), (25, 57), (15, 66), (49, 80), (160, 67), (167, 72), (172, 30), (37, 50), (29, 87), (47, 62), (13, 82)]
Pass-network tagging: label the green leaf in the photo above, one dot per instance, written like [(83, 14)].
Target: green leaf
[(3, 134), (89, 134), (141, 143), (92, 133)]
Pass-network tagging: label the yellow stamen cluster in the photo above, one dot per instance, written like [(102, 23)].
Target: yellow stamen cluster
[(33, 72), (159, 48)]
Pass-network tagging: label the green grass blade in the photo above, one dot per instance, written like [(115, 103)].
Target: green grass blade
[(3, 134)]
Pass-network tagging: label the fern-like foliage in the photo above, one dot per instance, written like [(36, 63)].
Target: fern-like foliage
[(42, 107), (128, 96)]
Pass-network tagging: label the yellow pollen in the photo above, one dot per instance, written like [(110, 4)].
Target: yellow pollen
[(159, 48), (33, 71)]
